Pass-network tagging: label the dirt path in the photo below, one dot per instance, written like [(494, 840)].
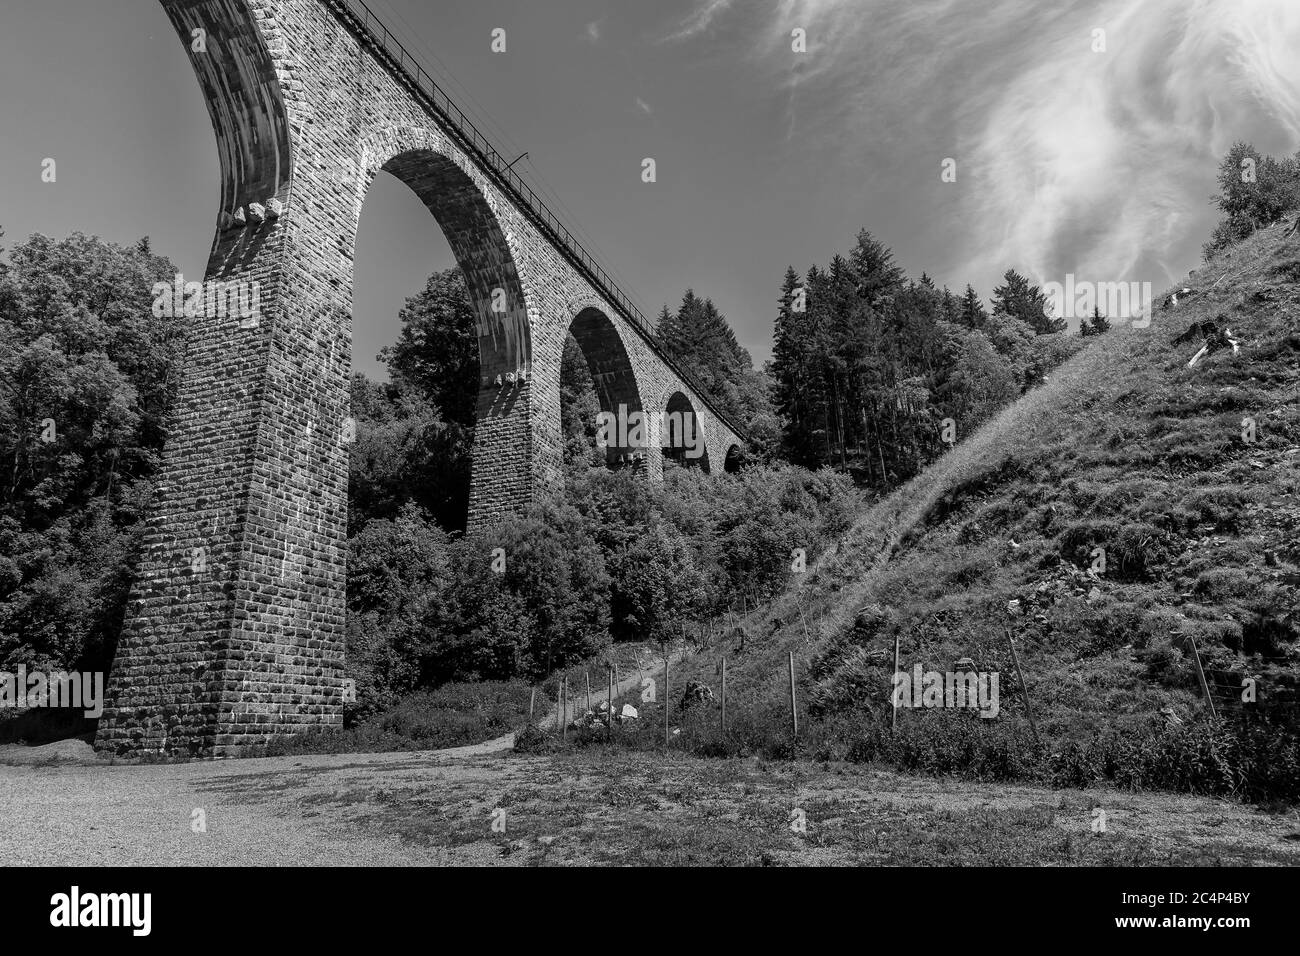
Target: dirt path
[(64, 805), (551, 720)]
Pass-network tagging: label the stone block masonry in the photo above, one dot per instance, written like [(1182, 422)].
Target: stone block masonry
[(235, 622)]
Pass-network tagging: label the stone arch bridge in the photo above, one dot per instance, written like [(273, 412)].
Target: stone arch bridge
[(235, 623)]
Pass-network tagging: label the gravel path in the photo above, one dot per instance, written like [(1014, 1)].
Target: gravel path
[(143, 815), (61, 805)]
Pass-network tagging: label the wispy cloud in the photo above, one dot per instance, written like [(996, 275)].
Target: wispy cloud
[(593, 31), (1069, 160), (699, 21), (644, 107)]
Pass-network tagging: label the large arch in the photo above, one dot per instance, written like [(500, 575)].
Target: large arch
[(483, 254), (502, 473)]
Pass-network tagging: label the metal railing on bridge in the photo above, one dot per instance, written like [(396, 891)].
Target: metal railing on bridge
[(372, 29)]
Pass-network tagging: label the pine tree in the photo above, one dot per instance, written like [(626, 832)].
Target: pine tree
[(973, 314), (1020, 299), (787, 370), (873, 266), (949, 306), (1099, 323), (699, 338)]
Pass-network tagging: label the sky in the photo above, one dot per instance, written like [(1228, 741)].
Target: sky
[(1076, 152)]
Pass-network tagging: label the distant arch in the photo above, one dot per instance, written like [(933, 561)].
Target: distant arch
[(616, 386), (735, 458), (682, 434)]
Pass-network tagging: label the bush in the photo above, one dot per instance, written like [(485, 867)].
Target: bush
[(453, 715)]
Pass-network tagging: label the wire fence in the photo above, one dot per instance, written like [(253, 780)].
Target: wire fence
[(394, 54)]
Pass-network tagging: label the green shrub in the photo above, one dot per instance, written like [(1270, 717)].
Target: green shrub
[(452, 715)]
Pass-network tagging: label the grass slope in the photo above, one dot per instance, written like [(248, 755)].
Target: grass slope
[(1124, 448)]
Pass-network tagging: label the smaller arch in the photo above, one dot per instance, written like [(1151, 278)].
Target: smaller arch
[(682, 434), (624, 430), (735, 458)]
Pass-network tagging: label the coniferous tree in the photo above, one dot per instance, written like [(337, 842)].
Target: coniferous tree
[(973, 315), (865, 375), (1098, 324), (1020, 299), (700, 339)]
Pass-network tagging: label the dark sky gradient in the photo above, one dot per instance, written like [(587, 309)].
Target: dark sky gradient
[(1068, 161)]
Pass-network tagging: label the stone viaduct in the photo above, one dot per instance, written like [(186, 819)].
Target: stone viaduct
[(234, 629)]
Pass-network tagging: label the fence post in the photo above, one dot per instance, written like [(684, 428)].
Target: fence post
[(724, 698), (666, 697), (609, 720), (893, 691), (794, 715), (1200, 672), (564, 700), (532, 703), (1020, 677), (586, 676)]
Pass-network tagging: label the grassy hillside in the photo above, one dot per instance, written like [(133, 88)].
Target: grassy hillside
[(1125, 448)]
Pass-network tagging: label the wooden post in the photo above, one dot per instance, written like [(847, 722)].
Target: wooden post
[(1020, 676), (532, 703), (665, 648), (564, 697), (794, 715), (586, 676), (609, 720), (724, 698), (1200, 672), (893, 691)]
